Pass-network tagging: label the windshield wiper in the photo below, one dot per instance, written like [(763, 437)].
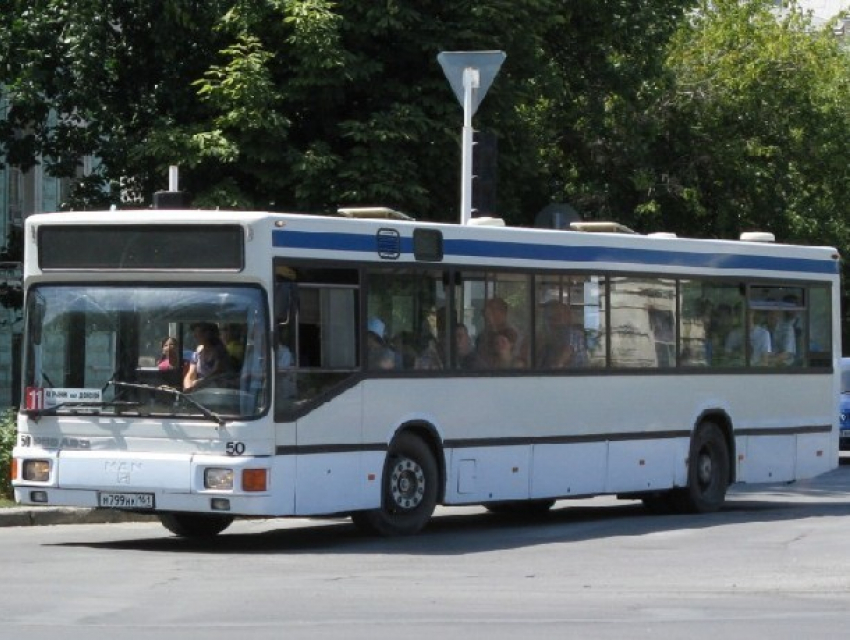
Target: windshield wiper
[(208, 413)]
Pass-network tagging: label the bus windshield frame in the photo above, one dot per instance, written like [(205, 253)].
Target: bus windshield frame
[(99, 349)]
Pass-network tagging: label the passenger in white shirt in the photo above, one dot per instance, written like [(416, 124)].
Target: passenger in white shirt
[(760, 343), (783, 337)]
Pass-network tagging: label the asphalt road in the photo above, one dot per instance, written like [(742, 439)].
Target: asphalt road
[(775, 563)]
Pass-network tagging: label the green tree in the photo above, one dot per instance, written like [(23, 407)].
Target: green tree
[(737, 122), (359, 106), (756, 122), (8, 435), (282, 104), (604, 76), (99, 77)]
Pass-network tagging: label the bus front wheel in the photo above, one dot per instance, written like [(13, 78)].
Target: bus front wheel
[(708, 472), (195, 525), (409, 493)]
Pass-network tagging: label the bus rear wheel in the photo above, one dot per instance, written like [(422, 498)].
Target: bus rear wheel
[(409, 494), (661, 503), (708, 472), (195, 525)]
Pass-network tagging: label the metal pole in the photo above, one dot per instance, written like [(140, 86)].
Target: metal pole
[(470, 82), (173, 173)]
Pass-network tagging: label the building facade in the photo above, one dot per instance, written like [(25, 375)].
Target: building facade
[(22, 193)]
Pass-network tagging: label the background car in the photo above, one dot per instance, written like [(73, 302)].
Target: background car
[(844, 406)]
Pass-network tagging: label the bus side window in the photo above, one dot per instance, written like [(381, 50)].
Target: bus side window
[(409, 308), (818, 338), (643, 322)]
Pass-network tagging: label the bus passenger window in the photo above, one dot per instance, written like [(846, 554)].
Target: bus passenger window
[(818, 338), (498, 309), (561, 339), (316, 313), (643, 321), (411, 308)]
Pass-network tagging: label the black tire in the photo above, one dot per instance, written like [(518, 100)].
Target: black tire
[(708, 472), (195, 525), (521, 507), (660, 504), (409, 494)]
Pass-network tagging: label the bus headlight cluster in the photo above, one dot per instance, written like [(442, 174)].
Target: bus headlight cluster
[(36, 470), (221, 479)]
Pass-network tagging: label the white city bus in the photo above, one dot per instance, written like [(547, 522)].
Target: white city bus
[(382, 367)]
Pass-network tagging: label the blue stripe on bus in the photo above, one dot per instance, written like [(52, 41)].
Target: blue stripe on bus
[(335, 241)]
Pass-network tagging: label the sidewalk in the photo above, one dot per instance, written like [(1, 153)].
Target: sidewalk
[(36, 516)]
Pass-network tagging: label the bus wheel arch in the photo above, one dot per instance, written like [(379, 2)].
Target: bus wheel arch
[(411, 485)]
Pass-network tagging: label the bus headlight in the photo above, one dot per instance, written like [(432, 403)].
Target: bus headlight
[(36, 470), (218, 479)]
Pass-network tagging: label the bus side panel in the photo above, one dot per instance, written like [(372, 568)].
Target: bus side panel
[(569, 469), (338, 482), (486, 474), (282, 484), (338, 472), (643, 465), (815, 455), (767, 458)]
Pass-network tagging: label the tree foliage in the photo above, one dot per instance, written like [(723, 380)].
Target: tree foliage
[(756, 119), (701, 118), (281, 104), (8, 436)]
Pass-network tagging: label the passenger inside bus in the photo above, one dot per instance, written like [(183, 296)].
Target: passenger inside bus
[(428, 349), (496, 321), (378, 354), (563, 344), (404, 347), (783, 336), (234, 343), (760, 345), (465, 353), (504, 355), (719, 324), (167, 369), (170, 357), (210, 357)]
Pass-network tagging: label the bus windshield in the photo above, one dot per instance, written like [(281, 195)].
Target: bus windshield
[(146, 350)]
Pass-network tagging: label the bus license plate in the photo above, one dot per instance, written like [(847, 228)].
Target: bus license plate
[(125, 500)]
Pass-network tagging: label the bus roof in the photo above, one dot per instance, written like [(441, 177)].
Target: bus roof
[(346, 238)]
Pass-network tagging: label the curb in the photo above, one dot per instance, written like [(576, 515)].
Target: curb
[(38, 516)]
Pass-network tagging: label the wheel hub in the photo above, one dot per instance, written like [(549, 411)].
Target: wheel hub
[(704, 469), (407, 484)]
